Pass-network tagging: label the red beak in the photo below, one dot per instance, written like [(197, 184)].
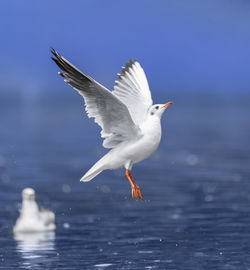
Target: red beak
[(167, 104)]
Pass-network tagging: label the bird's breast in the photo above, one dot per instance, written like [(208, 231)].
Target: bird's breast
[(138, 149), (143, 147)]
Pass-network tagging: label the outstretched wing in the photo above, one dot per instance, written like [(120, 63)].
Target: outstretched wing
[(109, 112), (133, 90)]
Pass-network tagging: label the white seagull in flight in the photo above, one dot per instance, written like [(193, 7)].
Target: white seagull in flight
[(131, 124)]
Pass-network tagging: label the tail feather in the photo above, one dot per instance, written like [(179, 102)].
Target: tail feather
[(89, 175), (94, 170)]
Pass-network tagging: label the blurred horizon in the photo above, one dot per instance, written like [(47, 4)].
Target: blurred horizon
[(182, 45)]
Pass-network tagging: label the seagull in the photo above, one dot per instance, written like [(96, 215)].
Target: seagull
[(131, 124), (31, 218)]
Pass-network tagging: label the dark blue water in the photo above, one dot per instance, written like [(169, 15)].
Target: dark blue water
[(196, 187)]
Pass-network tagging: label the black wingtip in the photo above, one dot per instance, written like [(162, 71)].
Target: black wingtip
[(54, 59), (54, 52)]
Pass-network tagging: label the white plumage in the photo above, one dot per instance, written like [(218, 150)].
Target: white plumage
[(130, 123), (133, 90), (31, 218)]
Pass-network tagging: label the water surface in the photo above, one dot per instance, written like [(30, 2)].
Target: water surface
[(196, 189)]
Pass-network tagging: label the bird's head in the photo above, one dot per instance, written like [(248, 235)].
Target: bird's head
[(159, 109), (28, 194)]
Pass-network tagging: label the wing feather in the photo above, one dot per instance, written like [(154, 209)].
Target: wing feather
[(108, 110), (133, 90)]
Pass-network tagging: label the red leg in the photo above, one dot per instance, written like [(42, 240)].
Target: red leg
[(134, 194), (138, 192)]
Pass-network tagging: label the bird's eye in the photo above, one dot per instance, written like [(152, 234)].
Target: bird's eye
[(152, 113), (157, 107)]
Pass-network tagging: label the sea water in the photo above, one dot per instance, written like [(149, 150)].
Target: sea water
[(195, 212)]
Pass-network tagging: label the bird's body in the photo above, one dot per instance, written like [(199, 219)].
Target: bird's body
[(128, 153), (130, 123), (31, 218)]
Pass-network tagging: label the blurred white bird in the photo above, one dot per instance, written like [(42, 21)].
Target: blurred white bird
[(31, 218), (130, 122)]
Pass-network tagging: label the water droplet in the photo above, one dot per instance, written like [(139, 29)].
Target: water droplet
[(66, 188), (66, 225)]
